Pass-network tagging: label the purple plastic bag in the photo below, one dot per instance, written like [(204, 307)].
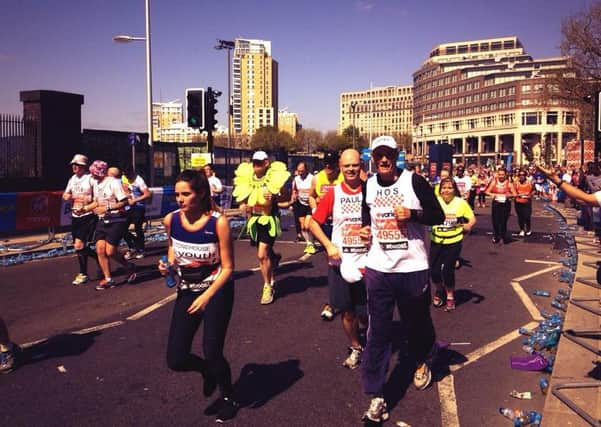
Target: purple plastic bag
[(533, 362)]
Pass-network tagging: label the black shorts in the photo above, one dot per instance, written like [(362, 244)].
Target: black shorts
[(346, 296), (263, 235), (83, 227), (112, 232), (301, 210)]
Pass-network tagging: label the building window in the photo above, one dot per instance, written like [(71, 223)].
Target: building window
[(570, 117), (531, 118), (525, 88), (552, 117)]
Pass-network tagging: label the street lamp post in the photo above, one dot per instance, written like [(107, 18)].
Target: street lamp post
[(353, 106), (126, 39), (228, 46)]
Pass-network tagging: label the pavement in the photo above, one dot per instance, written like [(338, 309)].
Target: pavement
[(574, 363)]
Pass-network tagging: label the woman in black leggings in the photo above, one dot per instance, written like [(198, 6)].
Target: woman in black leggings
[(200, 250)]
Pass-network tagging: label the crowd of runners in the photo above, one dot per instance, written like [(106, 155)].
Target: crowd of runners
[(392, 239)]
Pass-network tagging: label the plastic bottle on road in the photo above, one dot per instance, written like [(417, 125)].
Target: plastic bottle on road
[(511, 414), (170, 278), (544, 385), (540, 293)]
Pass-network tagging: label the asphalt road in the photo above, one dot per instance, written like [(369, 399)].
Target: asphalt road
[(286, 361)]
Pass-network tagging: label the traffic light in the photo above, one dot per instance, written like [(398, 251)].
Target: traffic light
[(210, 110), (195, 99)]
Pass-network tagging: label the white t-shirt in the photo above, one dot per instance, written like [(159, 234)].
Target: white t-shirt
[(80, 188), (303, 188), (215, 184), (464, 185), (110, 191)]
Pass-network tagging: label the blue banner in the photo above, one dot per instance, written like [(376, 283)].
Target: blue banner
[(8, 211)]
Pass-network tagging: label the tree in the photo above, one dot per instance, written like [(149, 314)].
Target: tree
[(404, 141), (308, 139), (332, 141), (269, 138)]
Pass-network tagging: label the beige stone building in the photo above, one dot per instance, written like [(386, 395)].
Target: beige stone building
[(255, 87), (489, 99), (288, 122), (377, 111), (165, 114)]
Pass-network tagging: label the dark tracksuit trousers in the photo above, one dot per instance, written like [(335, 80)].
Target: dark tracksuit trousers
[(410, 293)]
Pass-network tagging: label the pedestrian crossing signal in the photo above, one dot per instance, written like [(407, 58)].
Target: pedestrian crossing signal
[(195, 107)]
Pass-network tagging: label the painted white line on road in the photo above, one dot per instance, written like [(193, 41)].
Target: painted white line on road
[(79, 332), (536, 273), (527, 301), (152, 307), (536, 261), (448, 402), (490, 347)]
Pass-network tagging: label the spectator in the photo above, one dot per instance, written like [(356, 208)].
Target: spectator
[(214, 183)]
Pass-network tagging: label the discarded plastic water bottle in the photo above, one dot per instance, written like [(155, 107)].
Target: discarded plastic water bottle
[(559, 305), (525, 331), (540, 293), (170, 278), (544, 385), (512, 414), (562, 291)]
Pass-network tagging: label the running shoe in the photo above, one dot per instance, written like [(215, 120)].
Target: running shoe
[(496, 240), (227, 410), (139, 254), (105, 284), (422, 377), (80, 279), (130, 270), (450, 304), (528, 233), (310, 249), (7, 360), (354, 358), (267, 296), (129, 254), (522, 233), (377, 411), (327, 313)]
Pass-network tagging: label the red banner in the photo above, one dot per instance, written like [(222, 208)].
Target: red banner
[(38, 209)]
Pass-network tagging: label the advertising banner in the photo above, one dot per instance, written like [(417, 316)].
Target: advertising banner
[(38, 209), (8, 211), (153, 206)]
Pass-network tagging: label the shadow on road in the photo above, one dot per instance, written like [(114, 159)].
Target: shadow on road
[(57, 346), (259, 383), (463, 296), (297, 284)]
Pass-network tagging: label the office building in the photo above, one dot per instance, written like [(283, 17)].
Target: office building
[(288, 122), (164, 115), (377, 111), (255, 87), (489, 99)]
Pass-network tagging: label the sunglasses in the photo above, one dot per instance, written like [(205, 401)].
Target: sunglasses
[(378, 153)]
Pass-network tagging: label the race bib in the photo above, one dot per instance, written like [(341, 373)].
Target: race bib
[(351, 241), (391, 234)]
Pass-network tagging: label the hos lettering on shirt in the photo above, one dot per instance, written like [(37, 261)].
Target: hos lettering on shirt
[(396, 247), (80, 188), (343, 205)]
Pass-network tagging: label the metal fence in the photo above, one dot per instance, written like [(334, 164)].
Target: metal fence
[(20, 151)]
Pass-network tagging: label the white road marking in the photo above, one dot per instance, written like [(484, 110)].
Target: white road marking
[(490, 347), (448, 402), (536, 273), (79, 332), (536, 261), (152, 307), (527, 301)]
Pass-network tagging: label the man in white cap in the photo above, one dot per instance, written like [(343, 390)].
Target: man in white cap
[(346, 251), (265, 232), (397, 206), (83, 223)]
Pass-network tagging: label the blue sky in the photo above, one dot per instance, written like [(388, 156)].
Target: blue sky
[(323, 47)]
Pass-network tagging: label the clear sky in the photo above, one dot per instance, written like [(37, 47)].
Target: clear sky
[(323, 47)]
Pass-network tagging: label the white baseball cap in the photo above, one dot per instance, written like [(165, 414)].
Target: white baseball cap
[(260, 155), (79, 159), (384, 141)]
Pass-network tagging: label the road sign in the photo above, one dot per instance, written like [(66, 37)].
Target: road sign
[(132, 138)]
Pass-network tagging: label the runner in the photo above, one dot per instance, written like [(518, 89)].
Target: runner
[(346, 252), (109, 204), (501, 190), (200, 248), (396, 207), (136, 214), (258, 190), (324, 180), (214, 183), (523, 203), (302, 188), (83, 223), (446, 242), (464, 182)]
